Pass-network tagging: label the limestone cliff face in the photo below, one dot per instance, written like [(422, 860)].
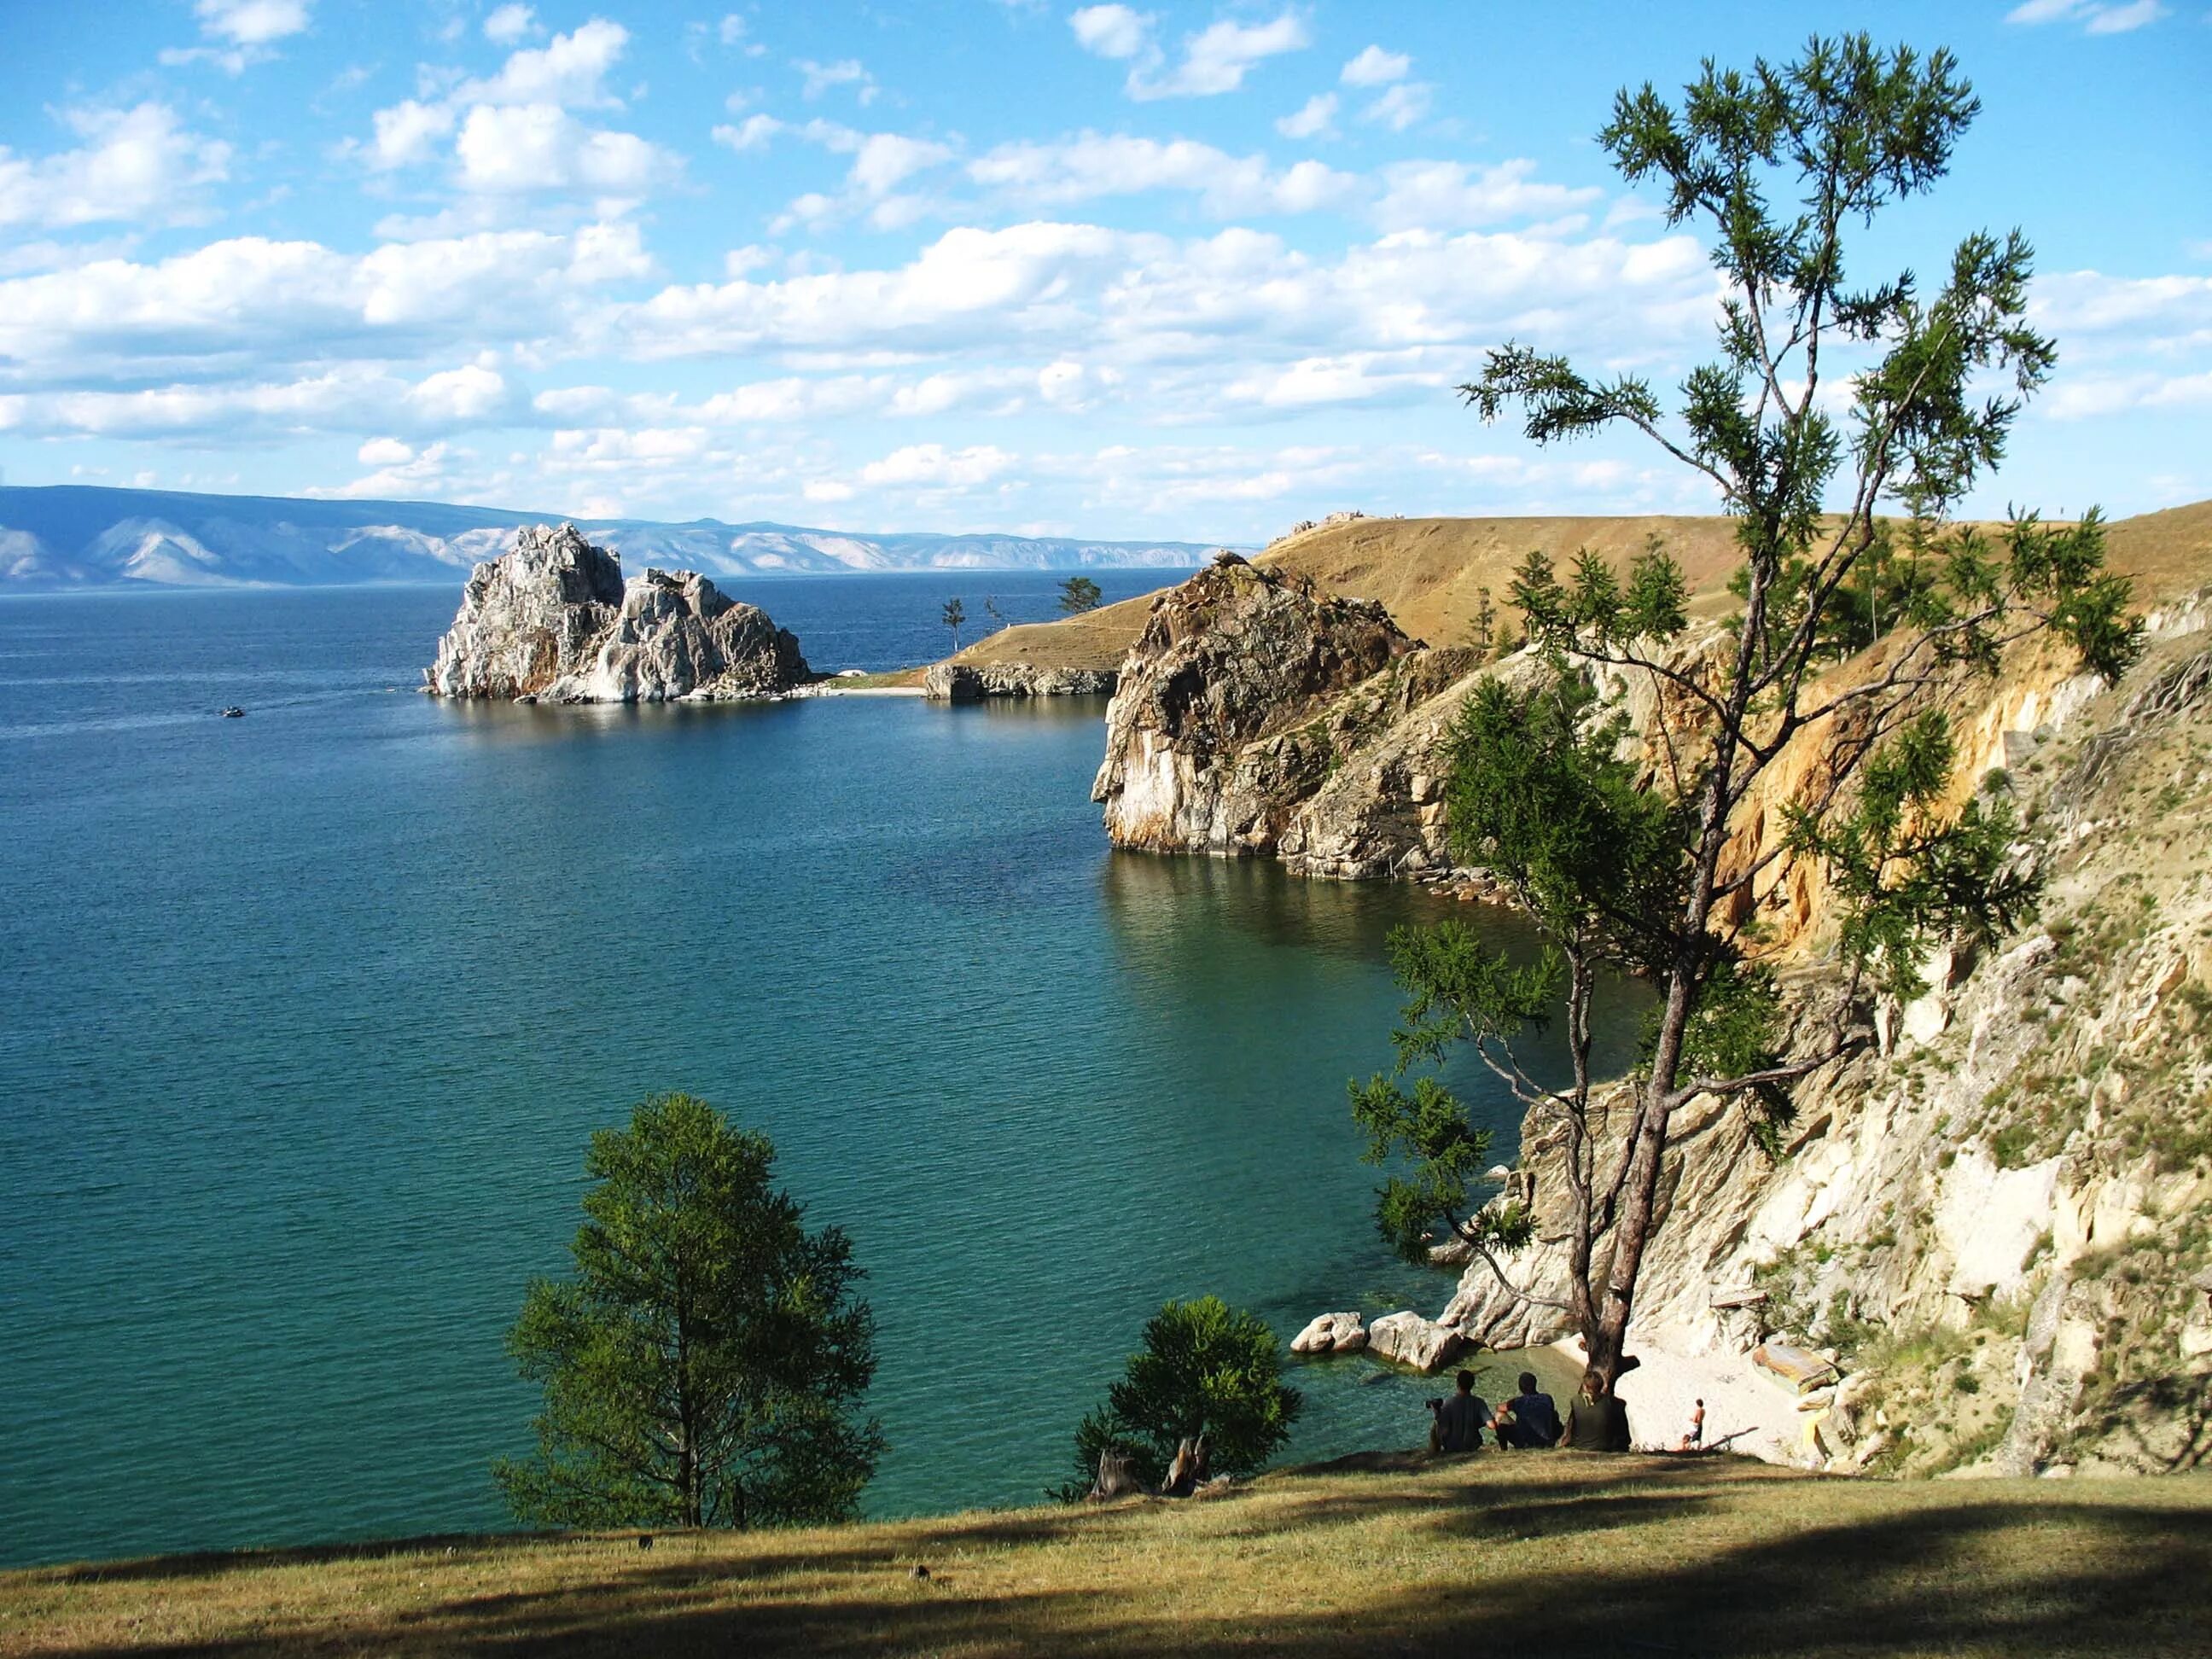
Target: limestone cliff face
[(553, 620), (960, 681), (1999, 1223)]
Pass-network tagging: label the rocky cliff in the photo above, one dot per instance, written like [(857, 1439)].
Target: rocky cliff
[(553, 620), (1999, 1225)]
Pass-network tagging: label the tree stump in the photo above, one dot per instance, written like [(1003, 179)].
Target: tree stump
[(1114, 1481), (1187, 1469)]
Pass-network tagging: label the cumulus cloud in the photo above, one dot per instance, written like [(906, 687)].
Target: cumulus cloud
[(1400, 105), (134, 164), (235, 307), (1215, 59), (248, 29), (1375, 67), (510, 25), (570, 70), (1311, 119), (1116, 32), (1450, 195), (1094, 165), (541, 147), (408, 133)]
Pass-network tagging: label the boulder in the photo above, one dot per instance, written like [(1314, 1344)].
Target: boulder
[(553, 621), (1412, 1341), (1331, 1333)]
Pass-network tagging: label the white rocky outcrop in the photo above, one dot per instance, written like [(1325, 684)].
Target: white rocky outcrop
[(1424, 1345), (960, 682), (1331, 1333), (553, 620)]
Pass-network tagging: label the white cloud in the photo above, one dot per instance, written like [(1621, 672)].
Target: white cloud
[(1094, 165), (384, 451), (231, 306), (408, 133), (1113, 30), (1311, 118), (251, 22), (510, 24), (1451, 195), (751, 134), (460, 397), (846, 72), (134, 164), (2095, 16), (1217, 57), (568, 71), (2092, 397), (935, 465), (1375, 67), (541, 147), (1400, 105)]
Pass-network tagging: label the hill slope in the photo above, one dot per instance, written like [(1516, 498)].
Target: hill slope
[(73, 537), (1537, 1553)]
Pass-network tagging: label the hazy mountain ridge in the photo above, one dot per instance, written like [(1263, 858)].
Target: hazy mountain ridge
[(71, 536)]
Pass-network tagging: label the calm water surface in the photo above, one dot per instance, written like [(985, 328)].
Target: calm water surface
[(305, 1019)]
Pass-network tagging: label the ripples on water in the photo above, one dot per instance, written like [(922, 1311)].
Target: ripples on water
[(309, 1015)]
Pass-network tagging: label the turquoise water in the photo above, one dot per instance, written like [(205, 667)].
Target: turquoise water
[(308, 1016)]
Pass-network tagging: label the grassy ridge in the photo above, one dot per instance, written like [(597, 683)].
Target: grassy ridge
[(1511, 1556)]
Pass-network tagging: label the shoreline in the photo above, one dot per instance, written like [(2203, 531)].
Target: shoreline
[(1740, 1400)]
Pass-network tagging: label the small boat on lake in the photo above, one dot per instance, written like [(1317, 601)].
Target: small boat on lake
[(233, 712)]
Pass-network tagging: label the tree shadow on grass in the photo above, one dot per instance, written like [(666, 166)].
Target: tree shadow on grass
[(1995, 1575)]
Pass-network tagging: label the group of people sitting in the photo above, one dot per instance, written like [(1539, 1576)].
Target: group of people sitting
[(1596, 1420)]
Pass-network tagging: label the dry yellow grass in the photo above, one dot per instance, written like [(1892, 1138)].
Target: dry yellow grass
[(1429, 573), (1532, 1554)]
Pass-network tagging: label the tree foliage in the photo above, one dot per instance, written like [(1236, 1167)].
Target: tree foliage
[(1864, 613), (704, 1365), (1078, 594), (1206, 1371), (955, 617)]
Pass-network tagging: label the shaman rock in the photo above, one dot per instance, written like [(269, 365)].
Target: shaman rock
[(553, 620)]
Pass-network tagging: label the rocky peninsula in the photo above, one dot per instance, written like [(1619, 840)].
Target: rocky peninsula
[(552, 621), (1992, 1234)]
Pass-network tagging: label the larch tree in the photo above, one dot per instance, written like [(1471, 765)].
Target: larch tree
[(1840, 425), (705, 1366)]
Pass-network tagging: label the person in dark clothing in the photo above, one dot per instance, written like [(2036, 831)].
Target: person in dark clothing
[(1529, 1421), (1458, 1427), (1597, 1421)]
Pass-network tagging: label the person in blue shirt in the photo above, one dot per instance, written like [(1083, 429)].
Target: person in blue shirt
[(1529, 1421)]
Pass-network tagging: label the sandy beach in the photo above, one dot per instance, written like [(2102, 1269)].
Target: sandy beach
[(1661, 1392)]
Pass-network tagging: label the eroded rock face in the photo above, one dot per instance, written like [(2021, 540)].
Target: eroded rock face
[(1204, 748), (960, 681), (553, 620)]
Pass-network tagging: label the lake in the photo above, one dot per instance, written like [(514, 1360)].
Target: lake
[(309, 1015)]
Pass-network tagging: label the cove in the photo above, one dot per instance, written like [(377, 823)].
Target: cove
[(310, 1014)]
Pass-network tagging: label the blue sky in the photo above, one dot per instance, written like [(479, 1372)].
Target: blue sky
[(1160, 270)]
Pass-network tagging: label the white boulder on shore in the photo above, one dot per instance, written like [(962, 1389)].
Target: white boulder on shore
[(553, 620), (1331, 1333), (1412, 1341)]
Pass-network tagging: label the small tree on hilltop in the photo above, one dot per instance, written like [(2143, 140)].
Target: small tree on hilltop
[(955, 615), (705, 1366), (1078, 594), (1207, 1371), (1854, 633)]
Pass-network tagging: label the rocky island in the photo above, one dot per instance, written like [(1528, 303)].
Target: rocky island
[(553, 621)]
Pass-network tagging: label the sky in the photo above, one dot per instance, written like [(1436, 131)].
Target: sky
[(1189, 271)]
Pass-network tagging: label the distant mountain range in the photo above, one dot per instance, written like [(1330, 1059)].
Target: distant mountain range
[(70, 536)]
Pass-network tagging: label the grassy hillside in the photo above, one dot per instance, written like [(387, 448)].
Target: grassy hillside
[(1429, 572), (1535, 1554)]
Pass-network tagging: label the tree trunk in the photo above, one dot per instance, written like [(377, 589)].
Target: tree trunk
[(1185, 1473)]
